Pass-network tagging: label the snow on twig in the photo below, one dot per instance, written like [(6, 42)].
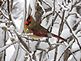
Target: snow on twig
[(5, 47)]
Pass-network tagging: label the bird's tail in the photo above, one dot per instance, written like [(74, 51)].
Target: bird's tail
[(58, 37)]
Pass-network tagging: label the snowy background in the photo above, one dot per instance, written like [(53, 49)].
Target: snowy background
[(60, 17)]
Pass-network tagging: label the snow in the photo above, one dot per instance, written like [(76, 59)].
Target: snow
[(9, 51), (18, 20)]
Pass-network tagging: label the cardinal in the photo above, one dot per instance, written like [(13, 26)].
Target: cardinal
[(31, 25)]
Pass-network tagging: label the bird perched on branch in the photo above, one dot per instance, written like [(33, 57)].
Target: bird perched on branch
[(30, 25)]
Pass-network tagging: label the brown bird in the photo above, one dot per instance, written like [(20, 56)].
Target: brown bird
[(37, 30)]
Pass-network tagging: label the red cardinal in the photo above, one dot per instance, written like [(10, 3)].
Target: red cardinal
[(39, 31)]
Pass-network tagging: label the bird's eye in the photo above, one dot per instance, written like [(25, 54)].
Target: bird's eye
[(29, 22)]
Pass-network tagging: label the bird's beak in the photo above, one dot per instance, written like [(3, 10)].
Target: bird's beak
[(25, 28)]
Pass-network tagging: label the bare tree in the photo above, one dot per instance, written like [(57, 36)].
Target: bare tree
[(58, 17)]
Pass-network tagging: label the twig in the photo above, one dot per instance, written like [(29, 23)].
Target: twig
[(71, 30), (46, 3), (25, 9), (4, 43), (59, 33), (9, 13), (23, 43), (73, 34), (17, 53), (5, 47), (4, 15), (76, 25), (66, 49)]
